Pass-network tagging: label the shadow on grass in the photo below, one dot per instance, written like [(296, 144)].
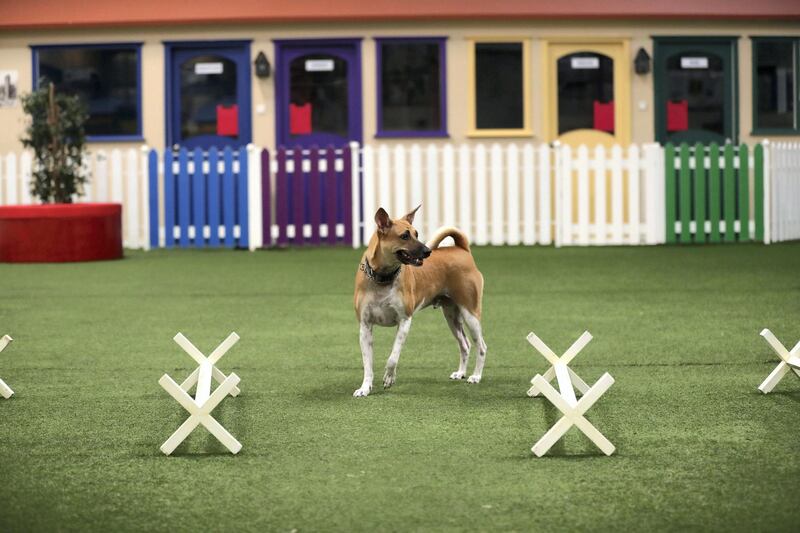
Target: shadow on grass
[(236, 424), (792, 395), (559, 450), (420, 387)]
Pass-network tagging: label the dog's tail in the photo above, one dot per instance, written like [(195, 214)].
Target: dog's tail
[(449, 231)]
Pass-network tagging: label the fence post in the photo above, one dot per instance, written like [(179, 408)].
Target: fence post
[(558, 216), (699, 193), (481, 211), (512, 195), (144, 192), (11, 179), (546, 226), (529, 195), (634, 195), (669, 192), (744, 194), (132, 200), (449, 185), (496, 186), (655, 201), (465, 192), (152, 158), (368, 195), (766, 198), (433, 177), (266, 198), (254, 207), (355, 191), (685, 195), (331, 207), (26, 170), (729, 194), (583, 195), (400, 207), (600, 188), (243, 199)]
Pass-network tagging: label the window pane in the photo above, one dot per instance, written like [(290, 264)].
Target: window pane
[(585, 92), (104, 78), (410, 92), (499, 86), (208, 89), (775, 79), (696, 86), (318, 95)]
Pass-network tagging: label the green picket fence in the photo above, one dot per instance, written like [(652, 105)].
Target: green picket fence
[(709, 190)]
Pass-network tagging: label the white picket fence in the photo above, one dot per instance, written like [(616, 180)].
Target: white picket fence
[(610, 196), (118, 176), (784, 191), (511, 194), (521, 194)]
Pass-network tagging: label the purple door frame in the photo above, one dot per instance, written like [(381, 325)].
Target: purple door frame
[(288, 49)]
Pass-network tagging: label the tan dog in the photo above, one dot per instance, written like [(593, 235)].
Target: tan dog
[(399, 275)]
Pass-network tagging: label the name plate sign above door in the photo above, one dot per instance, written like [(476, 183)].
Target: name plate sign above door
[(208, 68), (319, 65), (585, 62), (694, 62)]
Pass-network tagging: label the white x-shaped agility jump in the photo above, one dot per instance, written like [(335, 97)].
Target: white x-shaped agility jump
[(790, 360), (5, 390), (205, 401), (565, 359), (564, 399)]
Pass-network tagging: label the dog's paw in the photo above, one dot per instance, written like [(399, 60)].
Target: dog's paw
[(457, 375), (474, 378), (363, 392), (388, 379)]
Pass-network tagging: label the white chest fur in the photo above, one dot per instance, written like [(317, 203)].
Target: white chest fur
[(383, 306)]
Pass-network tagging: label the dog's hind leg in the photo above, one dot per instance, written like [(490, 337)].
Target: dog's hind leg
[(474, 326), (453, 317), (391, 364)]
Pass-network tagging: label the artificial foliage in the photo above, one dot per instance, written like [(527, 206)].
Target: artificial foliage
[(56, 134)]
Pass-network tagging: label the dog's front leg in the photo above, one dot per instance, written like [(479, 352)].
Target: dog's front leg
[(399, 340), (365, 340)]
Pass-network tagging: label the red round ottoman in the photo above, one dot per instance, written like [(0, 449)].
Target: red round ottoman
[(58, 233)]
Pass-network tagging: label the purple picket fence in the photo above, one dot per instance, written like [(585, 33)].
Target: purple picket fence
[(312, 201)]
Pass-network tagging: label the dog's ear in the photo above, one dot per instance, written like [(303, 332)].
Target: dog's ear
[(410, 217), (383, 221)]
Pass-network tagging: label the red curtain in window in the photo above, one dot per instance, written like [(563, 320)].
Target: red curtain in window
[(300, 119), (228, 120), (678, 115), (604, 116)]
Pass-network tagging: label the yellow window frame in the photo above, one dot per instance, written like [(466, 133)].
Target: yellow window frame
[(526, 130), (615, 47)]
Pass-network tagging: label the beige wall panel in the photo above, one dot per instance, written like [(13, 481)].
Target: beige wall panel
[(15, 54)]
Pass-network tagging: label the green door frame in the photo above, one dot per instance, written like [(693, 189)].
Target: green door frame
[(723, 46)]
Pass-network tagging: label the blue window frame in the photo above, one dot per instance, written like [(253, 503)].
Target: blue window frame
[(107, 77), (412, 86)]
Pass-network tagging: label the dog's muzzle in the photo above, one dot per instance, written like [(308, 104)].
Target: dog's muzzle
[(415, 258)]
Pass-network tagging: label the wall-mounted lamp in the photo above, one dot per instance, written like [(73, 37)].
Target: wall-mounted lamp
[(263, 68), (641, 63)]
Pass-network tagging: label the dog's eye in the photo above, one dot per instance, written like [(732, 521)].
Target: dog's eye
[(405, 236)]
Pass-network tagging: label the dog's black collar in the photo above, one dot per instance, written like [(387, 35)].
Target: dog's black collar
[(377, 277)]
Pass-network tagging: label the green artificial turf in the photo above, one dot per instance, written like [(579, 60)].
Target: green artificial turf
[(698, 447)]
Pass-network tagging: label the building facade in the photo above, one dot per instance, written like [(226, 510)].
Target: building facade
[(323, 74)]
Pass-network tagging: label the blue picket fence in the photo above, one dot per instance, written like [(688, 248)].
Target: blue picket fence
[(205, 201)]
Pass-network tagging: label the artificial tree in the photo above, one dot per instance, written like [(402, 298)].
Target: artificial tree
[(57, 135)]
